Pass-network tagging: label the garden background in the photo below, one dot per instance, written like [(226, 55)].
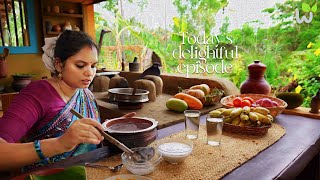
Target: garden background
[(290, 49)]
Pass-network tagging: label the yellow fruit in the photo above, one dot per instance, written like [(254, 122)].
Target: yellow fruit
[(244, 117), (236, 121), (246, 110), (270, 117), (253, 116), (215, 114), (227, 120), (262, 118), (235, 113), (221, 109), (261, 110), (226, 112)]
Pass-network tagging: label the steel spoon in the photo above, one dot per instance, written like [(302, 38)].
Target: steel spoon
[(113, 169)]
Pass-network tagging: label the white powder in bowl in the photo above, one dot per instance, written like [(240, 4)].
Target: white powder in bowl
[(174, 152)]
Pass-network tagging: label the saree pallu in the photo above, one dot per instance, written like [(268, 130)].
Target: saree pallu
[(83, 102)]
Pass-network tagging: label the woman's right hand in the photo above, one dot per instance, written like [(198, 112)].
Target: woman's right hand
[(81, 131)]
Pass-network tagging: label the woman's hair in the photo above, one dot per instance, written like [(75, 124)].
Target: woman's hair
[(70, 43)]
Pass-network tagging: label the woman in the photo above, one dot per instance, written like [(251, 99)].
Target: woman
[(40, 113)]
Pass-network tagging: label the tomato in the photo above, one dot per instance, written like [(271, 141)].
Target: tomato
[(249, 98), (230, 104), (245, 103), (237, 101)]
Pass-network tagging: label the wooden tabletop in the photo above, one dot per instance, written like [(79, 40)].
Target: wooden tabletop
[(284, 160)]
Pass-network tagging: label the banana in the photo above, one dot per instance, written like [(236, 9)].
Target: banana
[(262, 118), (247, 123), (235, 113), (221, 109), (227, 120), (241, 124), (226, 112), (215, 114), (270, 117), (246, 110), (253, 116), (258, 123), (244, 117), (261, 110), (236, 121)]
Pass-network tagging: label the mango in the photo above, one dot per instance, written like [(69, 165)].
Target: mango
[(176, 104)]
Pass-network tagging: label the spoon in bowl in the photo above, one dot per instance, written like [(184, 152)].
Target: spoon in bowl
[(139, 156)]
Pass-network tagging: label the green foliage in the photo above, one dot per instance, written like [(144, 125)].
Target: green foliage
[(282, 47)]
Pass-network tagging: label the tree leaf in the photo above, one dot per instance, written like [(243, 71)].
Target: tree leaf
[(314, 8), (305, 7)]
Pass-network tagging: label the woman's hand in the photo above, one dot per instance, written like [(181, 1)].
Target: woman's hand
[(81, 131)]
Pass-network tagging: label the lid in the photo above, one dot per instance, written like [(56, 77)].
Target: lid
[(257, 65)]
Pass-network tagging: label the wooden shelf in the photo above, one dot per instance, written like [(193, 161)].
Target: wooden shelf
[(53, 33), (47, 15), (50, 18)]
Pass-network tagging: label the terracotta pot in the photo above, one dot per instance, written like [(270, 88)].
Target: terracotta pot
[(19, 82), (133, 132), (56, 28), (256, 83)]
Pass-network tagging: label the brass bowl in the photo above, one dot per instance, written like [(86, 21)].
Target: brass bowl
[(134, 131)]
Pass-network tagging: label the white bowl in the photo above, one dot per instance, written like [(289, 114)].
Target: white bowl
[(175, 151)]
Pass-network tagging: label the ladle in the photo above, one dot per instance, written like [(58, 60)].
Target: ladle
[(139, 156)]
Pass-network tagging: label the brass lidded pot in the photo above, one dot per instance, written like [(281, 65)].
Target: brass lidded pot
[(256, 82)]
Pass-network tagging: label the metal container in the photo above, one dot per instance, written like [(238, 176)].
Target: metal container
[(125, 95)]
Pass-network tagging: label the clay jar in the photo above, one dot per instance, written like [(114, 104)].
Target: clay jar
[(56, 28), (20, 81), (256, 82)]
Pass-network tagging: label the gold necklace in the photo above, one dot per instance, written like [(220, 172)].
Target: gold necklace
[(64, 96)]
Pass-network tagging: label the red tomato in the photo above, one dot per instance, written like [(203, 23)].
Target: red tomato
[(248, 98), (230, 104), (237, 101), (245, 103)]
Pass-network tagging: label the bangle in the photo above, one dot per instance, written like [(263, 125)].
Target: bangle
[(38, 150)]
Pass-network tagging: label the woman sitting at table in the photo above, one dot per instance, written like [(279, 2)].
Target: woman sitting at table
[(40, 113)]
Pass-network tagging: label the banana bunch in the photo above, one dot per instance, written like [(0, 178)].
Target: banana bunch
[(246, 116)]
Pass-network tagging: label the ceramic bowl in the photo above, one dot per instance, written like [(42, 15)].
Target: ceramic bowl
[(134, 131), (140, 168), (175, 151)]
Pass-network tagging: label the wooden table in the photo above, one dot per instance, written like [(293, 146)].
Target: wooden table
[(286, 159)]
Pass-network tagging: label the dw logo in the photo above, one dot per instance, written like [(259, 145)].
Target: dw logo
[(307, 9)]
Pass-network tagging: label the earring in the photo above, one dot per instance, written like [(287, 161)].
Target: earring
[(60, 75)]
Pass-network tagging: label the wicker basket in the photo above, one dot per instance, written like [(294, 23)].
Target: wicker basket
[(246, 130), (274, 111)]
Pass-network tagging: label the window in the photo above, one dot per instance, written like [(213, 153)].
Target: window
[(18, 30)]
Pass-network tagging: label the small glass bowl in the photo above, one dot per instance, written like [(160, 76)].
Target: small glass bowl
[(175, 151), (140, 168)]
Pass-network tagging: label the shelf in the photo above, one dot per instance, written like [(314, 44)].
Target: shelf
[(47, 15), (53, 33)]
